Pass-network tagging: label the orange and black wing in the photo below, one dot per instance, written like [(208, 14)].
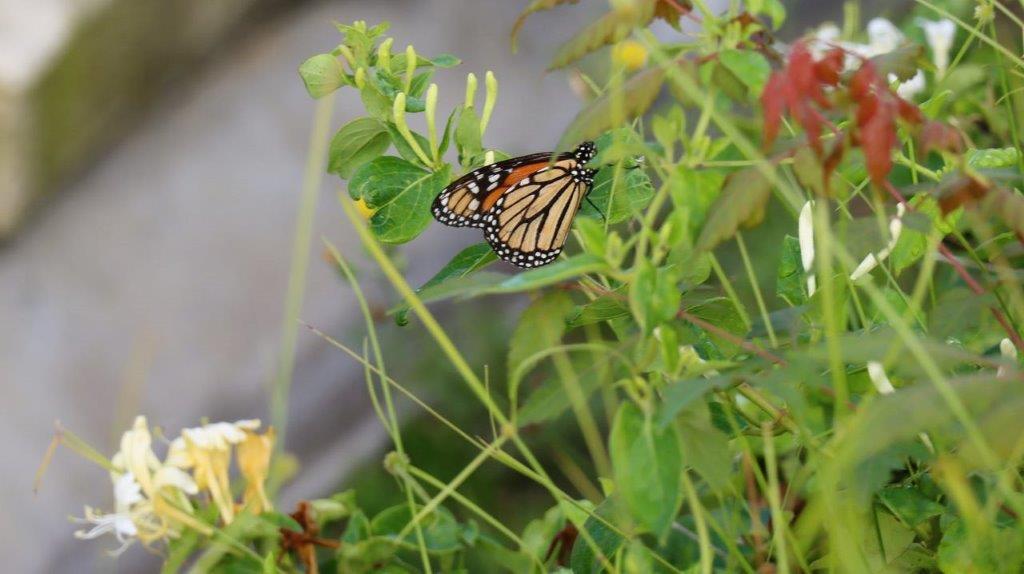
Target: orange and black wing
[(467, 199), (525, 205), (530, 222)]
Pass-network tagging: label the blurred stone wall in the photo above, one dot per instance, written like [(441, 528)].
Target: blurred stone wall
[(75, 73)]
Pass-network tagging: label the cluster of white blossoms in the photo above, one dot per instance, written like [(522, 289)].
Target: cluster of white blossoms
[(154, 499), (884, 37)]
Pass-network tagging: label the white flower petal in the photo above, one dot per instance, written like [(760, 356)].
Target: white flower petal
[(940, 35), (805, 233), (883, 36), (170, 476), (912, 87), (876, 372)]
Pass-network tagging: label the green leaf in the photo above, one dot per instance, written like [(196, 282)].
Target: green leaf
[(903, 62), (445, 61), (440, 530), (957, 312), (909, 505), (400, 194), (608, 29), (705, 448), (618, 193), (549, 399), (556, 272), (913, 243), (366, 556), (540, 327), (356, 143), (403, 147), (484, 282), (811, 174), (604, 308), (376, 103), (584, 559), (654, 295), (693, 193), (749, 67), (612, 109), (501, 556), (790, 278), (322, 74), (741, 203), (992, 158), (680, 395), (994, 550), (721, 313), (647, 464), (464, 263), (774, 9), (535, 6)]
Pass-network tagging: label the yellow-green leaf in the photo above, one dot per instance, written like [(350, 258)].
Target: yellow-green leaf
[(613, 108), (356, 143)]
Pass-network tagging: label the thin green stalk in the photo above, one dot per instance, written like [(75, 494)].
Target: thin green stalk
[(452, 485), (779, 522), (757, 290), (729, 290), (578, 400), (825, 240), (316, 163), (707, 555)]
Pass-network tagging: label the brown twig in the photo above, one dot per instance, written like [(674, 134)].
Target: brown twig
[(304, 543)]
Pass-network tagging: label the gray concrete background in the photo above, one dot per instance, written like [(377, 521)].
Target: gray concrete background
[(154, 283)]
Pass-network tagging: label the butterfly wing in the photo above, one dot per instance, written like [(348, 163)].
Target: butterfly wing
[(530, 221), (467, 199)]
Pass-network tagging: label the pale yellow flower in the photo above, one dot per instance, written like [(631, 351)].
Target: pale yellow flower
[(150, 497), (254, 464), (206, 450)]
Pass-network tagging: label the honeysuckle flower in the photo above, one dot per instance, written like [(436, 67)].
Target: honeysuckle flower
[(876, 372), (883, 36), (805, 233), (127, 492), (206, 450), (940, 35), (873, 259), (150, 497), (912, 87), (1008, 352), (254, 464)]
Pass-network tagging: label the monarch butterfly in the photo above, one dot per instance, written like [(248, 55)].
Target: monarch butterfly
[(525, 205)]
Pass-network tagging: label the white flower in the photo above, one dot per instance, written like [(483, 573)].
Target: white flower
[(873, 259), (805, 233), (1009, 352), (213, 436), (883, 36), (876, 372), (940, 35), (909, 89), (127, 493)]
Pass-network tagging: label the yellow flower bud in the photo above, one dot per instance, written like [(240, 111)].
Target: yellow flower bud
[(630, 54)]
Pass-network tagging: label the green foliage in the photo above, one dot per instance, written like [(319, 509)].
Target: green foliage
[(670, 395)]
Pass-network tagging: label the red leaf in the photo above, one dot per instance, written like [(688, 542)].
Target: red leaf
[(959, 192), (863, 81), (773, 102), (909, 112), (827, 69), (878, 137), (939, 136)]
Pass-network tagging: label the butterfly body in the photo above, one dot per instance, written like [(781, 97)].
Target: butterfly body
[(525, 205)]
